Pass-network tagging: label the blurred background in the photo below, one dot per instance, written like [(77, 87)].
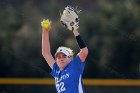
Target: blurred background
[(110, 28)]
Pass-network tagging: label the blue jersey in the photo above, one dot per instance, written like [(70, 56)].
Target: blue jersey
[(69, 80)]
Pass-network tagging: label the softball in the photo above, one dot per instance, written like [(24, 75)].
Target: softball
[(45, 24)]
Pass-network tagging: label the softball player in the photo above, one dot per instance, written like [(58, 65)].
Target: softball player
[(66, 69)]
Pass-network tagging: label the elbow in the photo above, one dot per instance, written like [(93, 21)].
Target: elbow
[(43, 53), (86, 51)]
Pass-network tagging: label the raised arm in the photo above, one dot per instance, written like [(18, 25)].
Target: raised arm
[(46, 46), (70, 20), (83, 48)]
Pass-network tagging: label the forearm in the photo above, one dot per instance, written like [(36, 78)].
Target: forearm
[(79, 39), (45, 42)]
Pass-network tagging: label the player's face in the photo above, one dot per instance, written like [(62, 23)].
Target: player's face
[(62, 60)]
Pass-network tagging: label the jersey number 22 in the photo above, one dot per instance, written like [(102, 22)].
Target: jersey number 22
[(60, 87)]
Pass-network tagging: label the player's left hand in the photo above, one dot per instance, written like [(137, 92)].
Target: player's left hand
[(69, 18)]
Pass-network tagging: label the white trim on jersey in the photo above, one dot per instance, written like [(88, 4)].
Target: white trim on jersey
[(80, 85)]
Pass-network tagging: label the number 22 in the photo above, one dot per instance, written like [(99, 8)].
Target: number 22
[(60, 87)]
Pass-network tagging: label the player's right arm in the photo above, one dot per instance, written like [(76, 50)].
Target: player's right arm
[(46, 47)]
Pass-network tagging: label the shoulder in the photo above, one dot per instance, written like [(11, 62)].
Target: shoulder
[(78, 59), (55, 69), (55, 66)]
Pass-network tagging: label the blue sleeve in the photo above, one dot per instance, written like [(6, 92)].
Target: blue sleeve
[(54, 69), (78, 65)]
